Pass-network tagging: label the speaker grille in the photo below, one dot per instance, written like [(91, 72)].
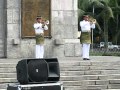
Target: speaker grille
[(21, 69), (37, 70)]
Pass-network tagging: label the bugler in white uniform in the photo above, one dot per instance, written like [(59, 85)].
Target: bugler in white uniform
[(86, 36), (39, 32)]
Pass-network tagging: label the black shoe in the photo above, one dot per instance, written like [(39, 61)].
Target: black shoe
[(88, 59), (84, 58)]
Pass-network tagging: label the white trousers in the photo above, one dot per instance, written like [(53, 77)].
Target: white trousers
[(39, 52), (85, 50)]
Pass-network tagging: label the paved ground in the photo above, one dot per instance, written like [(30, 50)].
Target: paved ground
[(92, 58), (104, 58)]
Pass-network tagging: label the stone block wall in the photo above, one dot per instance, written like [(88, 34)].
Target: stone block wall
[(13, 28), (64, 42), (65, 27)]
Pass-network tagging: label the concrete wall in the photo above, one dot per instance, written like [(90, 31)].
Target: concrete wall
[(64, 42)]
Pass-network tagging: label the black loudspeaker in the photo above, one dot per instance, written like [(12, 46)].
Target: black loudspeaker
[(47, 86), (38, 70)]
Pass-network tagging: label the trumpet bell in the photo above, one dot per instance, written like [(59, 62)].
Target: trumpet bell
[(93, 20), (47, 22)]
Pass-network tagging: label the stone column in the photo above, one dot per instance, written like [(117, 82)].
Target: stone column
[(65, 28), (13, 28)]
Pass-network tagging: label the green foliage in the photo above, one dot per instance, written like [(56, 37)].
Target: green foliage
[(107, 14), (99, 53)]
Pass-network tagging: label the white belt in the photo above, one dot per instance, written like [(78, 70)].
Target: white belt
[(39, 33), (86, 31)]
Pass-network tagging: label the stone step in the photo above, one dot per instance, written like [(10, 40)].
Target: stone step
[(84, 68), (91, 62), (8, 80), (89, 72), (114, 86), (12, 63), (8, 75), (7, 70), (115, 81), (79, 78), (90, 77), (93, 59), (9, 60), (88, 63), (84, 79), (86, 87), (86, 82), (76, 68), (91, 89), (71, 73), (79, 70), (67, 88), (75, 63), (70, 68), (109, 76), (101, 72), (7, 65), (105, 67), (3, 86), (90, 82), (110, 89)]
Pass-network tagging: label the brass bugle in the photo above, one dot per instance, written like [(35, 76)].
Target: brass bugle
[(45, 22), (93, 20)]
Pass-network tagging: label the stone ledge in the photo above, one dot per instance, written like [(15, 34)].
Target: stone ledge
[(72, 40), (59, 41)]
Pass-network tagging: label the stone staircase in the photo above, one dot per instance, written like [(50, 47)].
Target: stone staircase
[(99, 73)]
